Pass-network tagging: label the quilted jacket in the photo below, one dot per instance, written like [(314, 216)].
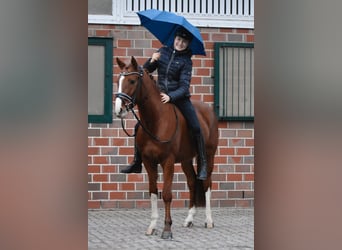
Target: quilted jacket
[(174, 70)]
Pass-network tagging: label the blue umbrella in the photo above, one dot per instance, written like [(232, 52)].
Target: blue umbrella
[(163, 25)]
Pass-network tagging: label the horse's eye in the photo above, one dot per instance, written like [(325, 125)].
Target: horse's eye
[(131, 81)]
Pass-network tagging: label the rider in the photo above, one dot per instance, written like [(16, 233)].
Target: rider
[(174, 66)]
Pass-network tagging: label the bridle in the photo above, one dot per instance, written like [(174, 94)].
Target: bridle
[(130, 102)]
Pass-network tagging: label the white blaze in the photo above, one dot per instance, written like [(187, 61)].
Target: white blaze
[(118, 101)]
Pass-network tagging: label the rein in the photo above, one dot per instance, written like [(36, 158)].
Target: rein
[(130, 102)]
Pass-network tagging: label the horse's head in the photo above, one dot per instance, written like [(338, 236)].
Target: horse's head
[(128, 83)]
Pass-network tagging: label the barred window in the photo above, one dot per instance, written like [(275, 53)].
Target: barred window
[(234, 81)]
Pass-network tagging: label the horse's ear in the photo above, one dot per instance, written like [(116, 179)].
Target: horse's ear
[(120, 63), (134, 62)]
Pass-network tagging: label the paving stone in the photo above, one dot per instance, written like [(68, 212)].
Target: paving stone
[(125, 229)]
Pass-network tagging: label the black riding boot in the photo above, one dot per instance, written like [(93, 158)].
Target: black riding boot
[(135, 166), (202, 164)]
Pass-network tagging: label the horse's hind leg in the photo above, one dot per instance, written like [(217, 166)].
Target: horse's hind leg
[(209, 220), (190, 174), (207, 186)]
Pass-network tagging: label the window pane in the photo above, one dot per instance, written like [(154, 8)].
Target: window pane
[(96, 70), (100, 7), (100, 79)]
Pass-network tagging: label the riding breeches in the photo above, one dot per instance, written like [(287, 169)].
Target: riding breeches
[(187, 109)]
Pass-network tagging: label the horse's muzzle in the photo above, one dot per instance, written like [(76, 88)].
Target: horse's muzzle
[(120, 112)]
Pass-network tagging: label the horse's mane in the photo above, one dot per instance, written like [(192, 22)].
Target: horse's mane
[(155, 85)]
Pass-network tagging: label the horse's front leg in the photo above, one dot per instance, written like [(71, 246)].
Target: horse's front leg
[(154, 215), (152, 176), (167, 198)]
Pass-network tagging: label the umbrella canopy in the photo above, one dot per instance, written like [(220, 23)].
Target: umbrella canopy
[(163, 25)]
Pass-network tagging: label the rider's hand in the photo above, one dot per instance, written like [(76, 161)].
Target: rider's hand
[(165, 98), (155, 57)]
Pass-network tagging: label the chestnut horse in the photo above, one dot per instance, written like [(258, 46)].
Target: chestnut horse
[(163, 138)]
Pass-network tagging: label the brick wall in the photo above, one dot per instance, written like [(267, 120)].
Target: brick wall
[(110, 149)]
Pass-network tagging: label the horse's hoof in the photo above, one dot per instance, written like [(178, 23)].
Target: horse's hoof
[(150, 232), (209, 225), (166, 235), (188, 224)]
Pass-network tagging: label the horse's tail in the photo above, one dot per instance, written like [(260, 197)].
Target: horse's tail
[(199, 194)]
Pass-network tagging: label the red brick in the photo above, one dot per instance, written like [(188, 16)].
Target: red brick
[(118, 52), (100, 159), (243, 185), (203, 72), (226, 151), (135, 178), (249, 142), (245, 133), (126, 186), (208, 98), (124, 43), (100, 177), (108, 204), (196, 80), (143, 203), (101, 141), (249, 177), (93, 169), (242, 31), (243, 203), (219, 37), (94, 204), (234, 177), (100, 195), (235, 125), (235, 194), (220, 160), (178, 204), (219, 195), (218, 177), (242, 168), (214, 186), (108, 169), (196, 63), (103, 33), (243, 151), (135, 195), (109, 132), (236, 159), (236, 142), (93, 151), (250, 38), (156, 44), (126, 204), (119, 142), (227, 203), (209, 63), (109, 186), (117, 195), (184, 195), (126, 151)]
